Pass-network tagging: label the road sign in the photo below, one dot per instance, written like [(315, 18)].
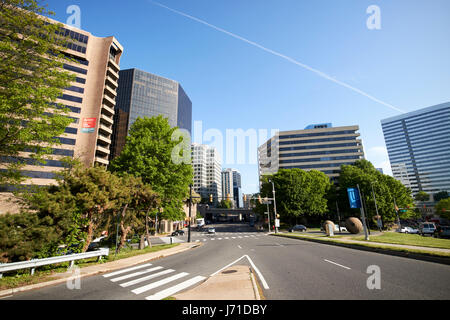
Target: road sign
[(353, 197), (277, 223)]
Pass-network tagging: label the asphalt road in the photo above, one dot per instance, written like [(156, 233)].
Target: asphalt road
[(288, 269)]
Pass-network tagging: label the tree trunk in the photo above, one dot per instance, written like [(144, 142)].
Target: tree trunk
[(123, 236), (142, 242)]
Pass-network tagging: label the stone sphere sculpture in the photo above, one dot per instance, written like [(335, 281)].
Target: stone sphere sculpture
[(354, 225), (325, 225)]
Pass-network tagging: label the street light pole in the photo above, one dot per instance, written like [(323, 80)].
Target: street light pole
[(190, 203), (376, 207), (274, 204)]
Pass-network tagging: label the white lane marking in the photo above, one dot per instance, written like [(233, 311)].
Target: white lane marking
[(213, 239), (226, 238), (219, 239), (126, 270), (159, 283), (169, 291), (233, 237), (261, 277), (239, 247), (245, 236), (340, 265), (240, 237), (135, 274), (130, 283), (197, 240), (204, 240)]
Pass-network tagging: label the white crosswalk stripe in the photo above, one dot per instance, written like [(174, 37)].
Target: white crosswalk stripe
[(159, 283), (126, 270), (169, 291), (135, 274), (133, 282)]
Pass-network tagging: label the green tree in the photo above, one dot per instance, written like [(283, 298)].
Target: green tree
[(441, 195), (30, 83), (443, 208), (387, 191), (422, 196), (148, 154), (225, 204), (298, 193)]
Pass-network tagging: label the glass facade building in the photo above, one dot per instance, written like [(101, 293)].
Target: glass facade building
[(418, 145), (142, 94)]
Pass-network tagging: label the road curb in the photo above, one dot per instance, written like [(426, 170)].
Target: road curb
[(10, 292), (411, 255)]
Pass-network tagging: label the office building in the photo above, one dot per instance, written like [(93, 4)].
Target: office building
[(91, 101), (237, 189), (207, 165), (319, 147), (142, 94), (418, 145), (228, 185)]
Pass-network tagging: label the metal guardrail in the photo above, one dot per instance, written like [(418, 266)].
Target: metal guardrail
[(33, 264)]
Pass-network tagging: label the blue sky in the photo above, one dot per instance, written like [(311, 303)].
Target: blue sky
[(233, 84)]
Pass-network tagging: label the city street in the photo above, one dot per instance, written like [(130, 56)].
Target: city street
[(286, 269)]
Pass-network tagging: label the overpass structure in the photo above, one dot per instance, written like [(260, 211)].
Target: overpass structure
[(227, 215)]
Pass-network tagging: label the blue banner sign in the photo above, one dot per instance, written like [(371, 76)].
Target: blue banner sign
[(353, 197)]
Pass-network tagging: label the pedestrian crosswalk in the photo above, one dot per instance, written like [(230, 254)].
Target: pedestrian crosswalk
[(217, 236), (156, 281)]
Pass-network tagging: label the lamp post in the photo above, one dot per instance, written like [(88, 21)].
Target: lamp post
[(190, 204), (274, 204), (376, 207)]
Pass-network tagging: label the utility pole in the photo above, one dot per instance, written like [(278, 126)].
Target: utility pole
[(339, 216), (190, 204), (363, 215), (398, 217), (274, 204), (376, 207), (268, 213)]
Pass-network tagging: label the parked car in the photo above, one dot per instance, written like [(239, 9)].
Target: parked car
[(408, 230), (211, 231), (298, 227), (442, 232), (427, 228)]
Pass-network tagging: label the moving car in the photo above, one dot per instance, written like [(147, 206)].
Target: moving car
[(298, 227), (427, 228), (211, 231), (177, 233), (408, 230), (442, 232)]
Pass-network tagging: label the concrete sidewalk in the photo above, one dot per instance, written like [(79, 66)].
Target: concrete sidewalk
[(234, 283), (103, 268)]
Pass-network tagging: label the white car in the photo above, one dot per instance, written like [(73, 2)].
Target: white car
[(408, 230)]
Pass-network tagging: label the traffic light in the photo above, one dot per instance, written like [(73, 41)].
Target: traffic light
[(228, 197), (211, 198), (245, 197), (278, 216)]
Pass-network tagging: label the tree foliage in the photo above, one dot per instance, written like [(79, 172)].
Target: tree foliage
[(443, 208), (225, 204), (30, 83), (422, 196), (298, 192), (387, 190), (441, 195), (148, 154)]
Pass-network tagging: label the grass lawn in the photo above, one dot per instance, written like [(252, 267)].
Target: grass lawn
[(23, 277), (410, 239)]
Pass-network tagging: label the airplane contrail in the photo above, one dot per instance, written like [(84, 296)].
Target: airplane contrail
[(319, 73)]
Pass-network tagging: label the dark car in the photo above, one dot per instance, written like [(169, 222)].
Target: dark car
[(442, 232), (177, 233), (298, 227)]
